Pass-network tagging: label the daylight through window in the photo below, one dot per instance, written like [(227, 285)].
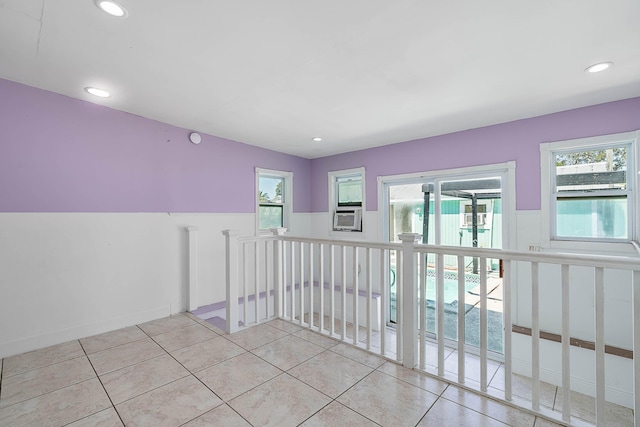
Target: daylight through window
[(271, 201), (591, 192)]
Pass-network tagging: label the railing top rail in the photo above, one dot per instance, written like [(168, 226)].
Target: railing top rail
[(585, 260), (558, 258), (251, 239), (349, 243)]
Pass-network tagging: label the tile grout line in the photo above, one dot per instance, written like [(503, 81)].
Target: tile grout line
[(226, 403), (45, 367), (101, 384), (191, 373), (156, 388), (377, 369), (294, 333), (282, 372), (349, 388)]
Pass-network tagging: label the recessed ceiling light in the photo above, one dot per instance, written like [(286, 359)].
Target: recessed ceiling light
[(316, 139), (112, 8), (601, 66), (101, 93)]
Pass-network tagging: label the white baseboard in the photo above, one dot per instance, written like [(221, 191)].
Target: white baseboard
[(35, 342)]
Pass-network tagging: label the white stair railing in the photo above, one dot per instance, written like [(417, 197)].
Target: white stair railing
[(337, 287)]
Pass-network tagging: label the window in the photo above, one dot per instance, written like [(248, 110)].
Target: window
[(467, 216), (591, 184), (349, 190), (273, 199), (346, 198)]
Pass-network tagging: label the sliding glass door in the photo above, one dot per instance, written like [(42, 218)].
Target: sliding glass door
[(463, 211)]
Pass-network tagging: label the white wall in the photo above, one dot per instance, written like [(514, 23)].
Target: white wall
[(64, 276)]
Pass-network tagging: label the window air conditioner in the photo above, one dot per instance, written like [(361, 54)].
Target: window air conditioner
[(348, 220)]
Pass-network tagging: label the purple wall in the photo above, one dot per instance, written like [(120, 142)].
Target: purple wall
[(59, 154), (519, 141)]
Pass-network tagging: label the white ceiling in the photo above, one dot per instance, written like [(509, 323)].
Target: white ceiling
[(358, 73)]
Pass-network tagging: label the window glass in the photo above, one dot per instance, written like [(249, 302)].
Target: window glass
[(594, 217), (270, 217), (349, 189), (591, 193), (591, 170), (271, 201), (271, 189)]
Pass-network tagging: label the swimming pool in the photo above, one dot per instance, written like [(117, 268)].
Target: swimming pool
[(450, 285)]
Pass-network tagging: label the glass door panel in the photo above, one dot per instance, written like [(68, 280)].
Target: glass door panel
[(410, 210), (465, 212)]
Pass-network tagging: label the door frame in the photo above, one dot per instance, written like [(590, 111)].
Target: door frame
[(507, 173)]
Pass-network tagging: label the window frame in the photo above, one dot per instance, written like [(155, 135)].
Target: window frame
[(333, 177), (550, 195), (287, 200)]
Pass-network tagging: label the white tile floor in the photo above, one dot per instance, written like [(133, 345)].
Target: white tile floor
[(181, 371)]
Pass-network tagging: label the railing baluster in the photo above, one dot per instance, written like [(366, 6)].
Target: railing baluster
[(399, 308), (285, 273), (535, 338), (292, 298), (483, 324), (301, 283), (245, 300), (369, 295), (343, 295), (422, 300), (321, 284), (278, 282), (384, 294), (356, 295), (311, 286), (461, 319), (506, 313), (267, 280), (440, 306), (599, 302), (635, 277), (257, 288), (332, 290), (566, 351)]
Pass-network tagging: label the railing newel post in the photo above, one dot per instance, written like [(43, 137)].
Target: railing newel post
[(231, 278), (192, 238), (409, 296)]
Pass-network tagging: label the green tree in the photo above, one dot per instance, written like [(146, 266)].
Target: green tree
[(616, 158)]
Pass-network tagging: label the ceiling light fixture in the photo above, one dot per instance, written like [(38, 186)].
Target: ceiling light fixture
[(601, 66), (100, 93), (112, 8), (316, 139)]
